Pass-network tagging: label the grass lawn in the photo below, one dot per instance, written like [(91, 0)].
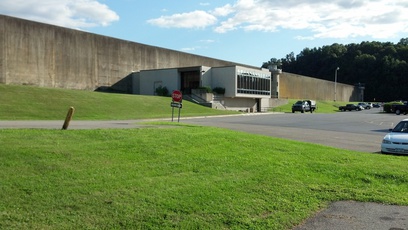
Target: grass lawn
[(322, 106), (175, 176), (183, 177), (37, 103)]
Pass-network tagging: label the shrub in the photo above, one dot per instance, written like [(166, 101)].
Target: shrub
[(162, 91), (387, 106), (206, 89), (219, 90)]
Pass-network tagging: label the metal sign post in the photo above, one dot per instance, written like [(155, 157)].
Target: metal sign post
[(176, 102)]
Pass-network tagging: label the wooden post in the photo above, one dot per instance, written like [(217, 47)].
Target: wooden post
[(68, 118)]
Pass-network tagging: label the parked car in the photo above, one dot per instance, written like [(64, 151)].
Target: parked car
[(350, 107), (396, 141), (304, 106), (364, 105), (398, 109), (376, 105)]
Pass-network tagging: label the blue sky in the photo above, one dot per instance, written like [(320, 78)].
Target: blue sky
[(244, 31)]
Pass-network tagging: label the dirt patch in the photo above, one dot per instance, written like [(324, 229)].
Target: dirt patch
[(358, 215)]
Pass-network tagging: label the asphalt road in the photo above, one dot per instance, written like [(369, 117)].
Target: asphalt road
[(360, 131), (357, 130)]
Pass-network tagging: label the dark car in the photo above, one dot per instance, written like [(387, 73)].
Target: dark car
[(350, 107), (301, 106)]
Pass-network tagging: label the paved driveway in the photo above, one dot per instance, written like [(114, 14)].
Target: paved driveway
[(360, 131)]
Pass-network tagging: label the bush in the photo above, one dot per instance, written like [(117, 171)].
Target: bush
[(387, 106), (206, 89), (219, 90), (162, 91)]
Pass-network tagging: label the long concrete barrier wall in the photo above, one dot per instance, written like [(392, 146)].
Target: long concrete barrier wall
[(300, 87), (33, 53), (45, 55)]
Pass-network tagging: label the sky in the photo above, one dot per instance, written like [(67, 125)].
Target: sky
[(249, 32)]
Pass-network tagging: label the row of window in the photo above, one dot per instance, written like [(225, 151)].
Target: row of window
[(253, 85), (241, 72)]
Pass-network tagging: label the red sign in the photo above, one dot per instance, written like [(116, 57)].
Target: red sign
[(176, 96)]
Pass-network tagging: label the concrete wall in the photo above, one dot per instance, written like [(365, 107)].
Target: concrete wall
[(45, 55), (240, 104), (225, 78), (39, 54), (301, 87), (151, 80), (206, 79)]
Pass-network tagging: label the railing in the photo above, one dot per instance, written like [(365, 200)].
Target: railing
[(196, 99)]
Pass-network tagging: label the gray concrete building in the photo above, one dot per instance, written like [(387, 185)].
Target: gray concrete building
[(244, 88), (33, 53)]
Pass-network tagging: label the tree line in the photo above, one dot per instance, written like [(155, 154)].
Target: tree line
[(379, 66)]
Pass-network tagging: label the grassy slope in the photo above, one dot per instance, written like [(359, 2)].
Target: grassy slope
[(35, 103)]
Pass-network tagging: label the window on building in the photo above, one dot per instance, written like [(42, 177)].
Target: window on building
[(253, 83)]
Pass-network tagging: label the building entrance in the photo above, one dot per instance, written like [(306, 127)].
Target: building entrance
[(189, 80)]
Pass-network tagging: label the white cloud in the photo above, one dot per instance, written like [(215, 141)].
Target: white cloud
[(223, 11), (67, 13), (188, 49), (207, 41), (195, 19), (322, 18)]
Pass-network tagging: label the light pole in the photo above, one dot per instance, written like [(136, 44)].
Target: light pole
[(335, 83)]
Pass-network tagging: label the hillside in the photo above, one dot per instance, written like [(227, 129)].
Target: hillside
[(29, 102)]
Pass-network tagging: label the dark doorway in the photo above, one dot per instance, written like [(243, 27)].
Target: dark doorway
[(189, 80), (258, 104)]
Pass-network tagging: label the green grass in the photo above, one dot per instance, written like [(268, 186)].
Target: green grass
[(170, 176), (37, 103), (322, 106), (182, 177)]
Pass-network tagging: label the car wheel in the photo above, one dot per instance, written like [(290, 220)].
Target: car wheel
[(398, 112), (293, 111), (302, 111)]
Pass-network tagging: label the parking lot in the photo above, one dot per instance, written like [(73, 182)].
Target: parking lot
[(354, 130)]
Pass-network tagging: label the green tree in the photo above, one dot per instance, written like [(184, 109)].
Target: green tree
[(381, 66)]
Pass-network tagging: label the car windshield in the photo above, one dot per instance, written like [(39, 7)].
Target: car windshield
[(401, 127), (299, 102)]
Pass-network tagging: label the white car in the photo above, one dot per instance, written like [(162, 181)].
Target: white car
[(396, 141), (364, 105)]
